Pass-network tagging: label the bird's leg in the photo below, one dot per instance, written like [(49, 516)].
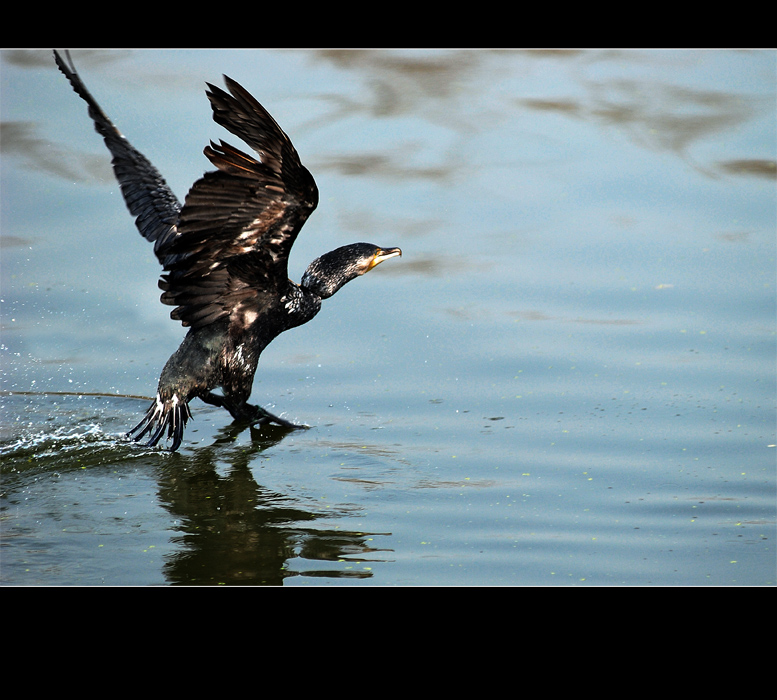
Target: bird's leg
[(213, 399), (246, 412)]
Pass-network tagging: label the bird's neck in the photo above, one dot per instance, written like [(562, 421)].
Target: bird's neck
[(325, 276)]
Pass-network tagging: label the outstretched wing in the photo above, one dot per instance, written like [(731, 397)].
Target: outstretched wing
[(145, 191), (239, 222)]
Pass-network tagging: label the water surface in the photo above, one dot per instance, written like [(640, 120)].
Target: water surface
[(567, 379)]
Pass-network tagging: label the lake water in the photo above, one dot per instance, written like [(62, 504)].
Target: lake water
[(567, 379)]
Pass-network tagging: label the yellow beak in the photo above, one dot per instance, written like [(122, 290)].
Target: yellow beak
[(382, 255)]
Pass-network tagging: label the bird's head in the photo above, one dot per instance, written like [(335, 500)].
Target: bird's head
[(325, 275)]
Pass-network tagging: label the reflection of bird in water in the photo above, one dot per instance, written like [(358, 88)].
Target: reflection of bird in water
[(232, 530), (225, 255)]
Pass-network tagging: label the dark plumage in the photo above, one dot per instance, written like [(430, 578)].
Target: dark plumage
[(225, 254)]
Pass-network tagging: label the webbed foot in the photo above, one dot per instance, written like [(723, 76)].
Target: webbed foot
[(263, 416)]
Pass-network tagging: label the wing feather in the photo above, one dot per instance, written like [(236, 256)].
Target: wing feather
[(239, 222), (227, 247), (145, 191)]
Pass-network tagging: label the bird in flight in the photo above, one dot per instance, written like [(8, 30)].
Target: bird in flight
[(224, 254)]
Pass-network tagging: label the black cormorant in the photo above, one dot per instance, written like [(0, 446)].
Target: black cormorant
[(225, 254)]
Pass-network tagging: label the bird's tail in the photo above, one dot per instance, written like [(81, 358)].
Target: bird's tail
[(169, 414)]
